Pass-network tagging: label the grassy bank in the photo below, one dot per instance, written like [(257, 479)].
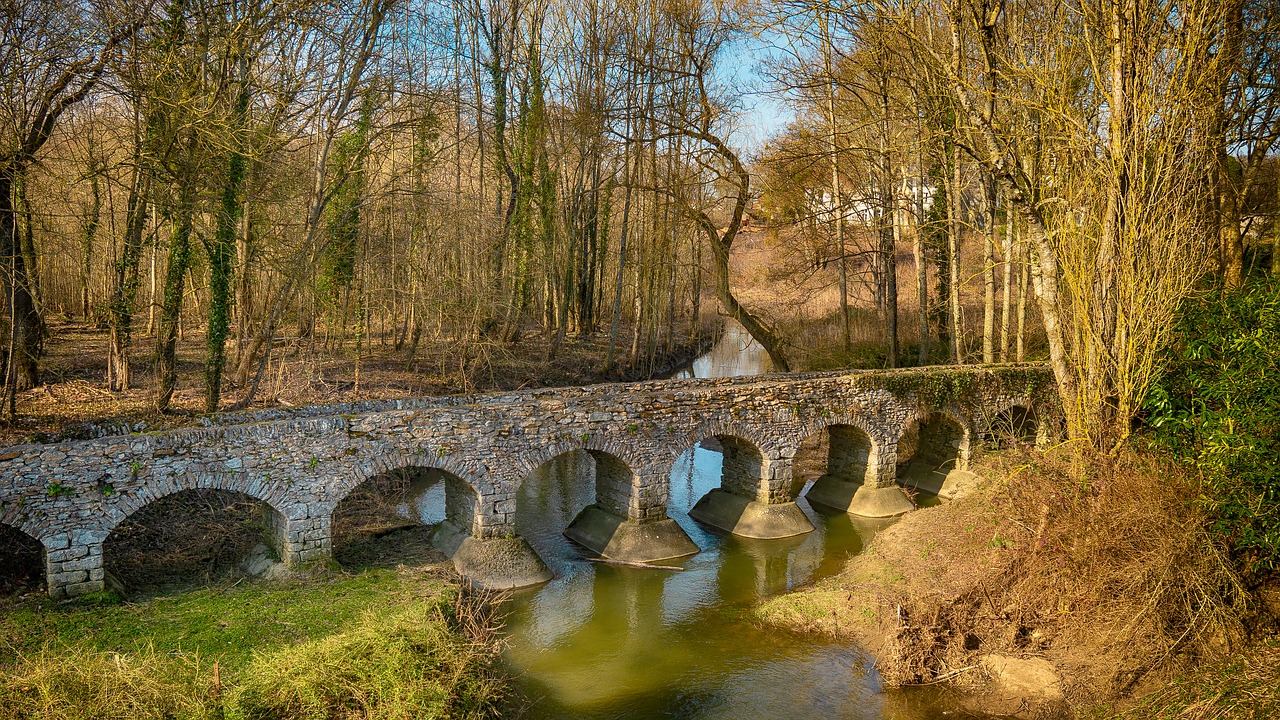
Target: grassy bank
[(1107, 571), (381, 644)]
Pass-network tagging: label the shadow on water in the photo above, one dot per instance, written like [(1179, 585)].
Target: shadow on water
[(605, 641)]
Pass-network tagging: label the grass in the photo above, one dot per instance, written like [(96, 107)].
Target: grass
[(382, 644)]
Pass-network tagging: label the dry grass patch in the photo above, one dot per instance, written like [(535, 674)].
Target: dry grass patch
[(79, 683)]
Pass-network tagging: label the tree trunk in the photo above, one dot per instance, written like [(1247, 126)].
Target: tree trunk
[(171, 309), (1023, 271), (1008, 282), (27, 245), (151, 297), (837, 197), (954, 317), (1228, 176), (90, 233), (889, 252), (989, 273), (24, 352), (1275, 241), (125, 293), (221, 251), (922, 271)]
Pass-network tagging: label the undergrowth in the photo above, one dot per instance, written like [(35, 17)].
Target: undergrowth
[(1241, 688), (1113, 564), (1218, 408)]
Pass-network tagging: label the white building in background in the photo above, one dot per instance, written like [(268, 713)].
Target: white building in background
[(862, 205)]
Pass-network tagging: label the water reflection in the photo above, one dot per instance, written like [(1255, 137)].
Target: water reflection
[(736, 353), (424, 498)]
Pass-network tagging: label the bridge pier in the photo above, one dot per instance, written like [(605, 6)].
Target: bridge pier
[(630, 527), (861, 477), (754, 497), (498, 562), (301, 540), (73, 563), (479, 536)]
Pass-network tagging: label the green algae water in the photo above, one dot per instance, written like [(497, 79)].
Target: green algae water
[(607, 641)]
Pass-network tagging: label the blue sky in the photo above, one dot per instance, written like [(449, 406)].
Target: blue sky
[(765, 113)]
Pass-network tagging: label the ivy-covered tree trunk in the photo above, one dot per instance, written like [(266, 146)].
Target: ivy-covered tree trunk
[(125, 293), (222, 253), (171, 306)]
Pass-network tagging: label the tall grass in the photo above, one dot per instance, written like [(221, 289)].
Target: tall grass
[(1244, 688), (409, 665), (79, 683), (428, 656)]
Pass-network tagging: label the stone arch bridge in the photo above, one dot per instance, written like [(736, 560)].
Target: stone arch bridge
[(301, 463)]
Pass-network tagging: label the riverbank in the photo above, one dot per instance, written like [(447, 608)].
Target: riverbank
[(1051, 590), (385, 643), (73, 403)]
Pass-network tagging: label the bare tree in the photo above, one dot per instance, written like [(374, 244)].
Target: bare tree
[(54, 54)]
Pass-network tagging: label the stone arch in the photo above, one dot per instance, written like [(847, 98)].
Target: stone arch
[(260, 489), (938, 440), (623, 517), (366, 466), (763, 443), (528, 462), (397, 513), (387, 462), (754, 497), (198, 528), (1011, 423), (616, 480), (842, 450), (18, 515), (22, 560), (743, 471)]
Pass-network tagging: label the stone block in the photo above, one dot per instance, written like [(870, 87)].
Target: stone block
[(67, 578), (84, 588), (84, 563)]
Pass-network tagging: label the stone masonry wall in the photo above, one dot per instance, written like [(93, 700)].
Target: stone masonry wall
[(71, 495)]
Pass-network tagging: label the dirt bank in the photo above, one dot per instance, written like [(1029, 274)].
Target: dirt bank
[(1052, 589)]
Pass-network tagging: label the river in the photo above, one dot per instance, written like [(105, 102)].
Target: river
[(605, 641)]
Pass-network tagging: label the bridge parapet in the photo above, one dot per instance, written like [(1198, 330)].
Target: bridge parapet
[(302, 463)]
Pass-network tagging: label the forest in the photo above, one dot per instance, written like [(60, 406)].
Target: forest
[(975, 181)]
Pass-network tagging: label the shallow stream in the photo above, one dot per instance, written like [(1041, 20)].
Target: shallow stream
[(607, 641)]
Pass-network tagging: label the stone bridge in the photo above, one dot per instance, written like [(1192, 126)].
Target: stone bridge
[(301, 463)]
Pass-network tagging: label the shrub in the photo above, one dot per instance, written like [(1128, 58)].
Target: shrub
[(1218, 408)]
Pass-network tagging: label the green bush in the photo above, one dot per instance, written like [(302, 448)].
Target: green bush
[(1218, 408)]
